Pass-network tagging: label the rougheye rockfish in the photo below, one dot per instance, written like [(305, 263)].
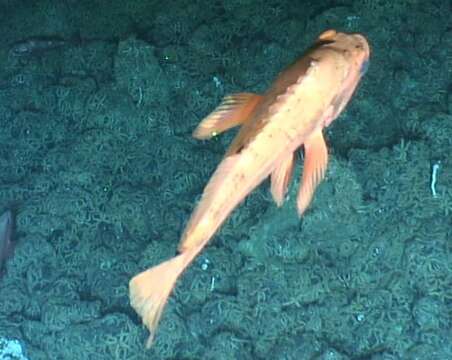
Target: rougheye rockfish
[(305, 98)]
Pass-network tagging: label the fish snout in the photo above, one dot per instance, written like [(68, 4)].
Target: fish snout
[(358, 51)]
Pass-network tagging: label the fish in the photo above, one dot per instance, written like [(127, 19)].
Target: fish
[(6, 238), (36, 45), (304, 99)]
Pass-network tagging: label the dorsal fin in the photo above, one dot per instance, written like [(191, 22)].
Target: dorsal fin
[(233, 110)]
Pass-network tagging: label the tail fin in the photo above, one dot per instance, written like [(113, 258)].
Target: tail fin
[(149, 290)]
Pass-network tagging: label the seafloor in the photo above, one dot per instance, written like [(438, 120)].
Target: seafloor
[(98, 163)]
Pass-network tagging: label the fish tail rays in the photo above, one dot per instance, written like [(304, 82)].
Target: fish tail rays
[(149, 291)]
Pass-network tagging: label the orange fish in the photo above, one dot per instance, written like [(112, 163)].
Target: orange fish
[(305, 98)]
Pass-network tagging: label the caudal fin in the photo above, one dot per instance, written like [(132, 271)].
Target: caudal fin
[(149, 290)]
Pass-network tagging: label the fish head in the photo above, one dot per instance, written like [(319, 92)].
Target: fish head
[(350, 53), (353, 45)]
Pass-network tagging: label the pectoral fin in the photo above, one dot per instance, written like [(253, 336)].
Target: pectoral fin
[(234, 110), (280, 179), (316, 159)]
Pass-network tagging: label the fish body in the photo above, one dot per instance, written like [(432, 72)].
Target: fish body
[(6, 237), (36, 45), (305, 98)]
